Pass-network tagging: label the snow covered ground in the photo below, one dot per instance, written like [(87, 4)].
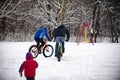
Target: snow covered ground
[(80, 62)]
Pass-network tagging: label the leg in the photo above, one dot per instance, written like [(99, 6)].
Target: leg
[(37, 41), (63, 48), (30, 78), (40, 46), (63, 44), (42, 43), (56, 46)]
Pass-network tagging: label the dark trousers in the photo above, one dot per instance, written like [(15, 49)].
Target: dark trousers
[(39, 41), (30, 78)]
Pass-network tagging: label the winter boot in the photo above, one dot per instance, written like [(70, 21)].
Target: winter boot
[(63, 50), (59, 58)]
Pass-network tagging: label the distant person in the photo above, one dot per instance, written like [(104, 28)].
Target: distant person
[(40, 36), (60, 36), (29, 67)]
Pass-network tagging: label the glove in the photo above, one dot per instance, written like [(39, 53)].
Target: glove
[(49, 39), (20, 73), (66, 40)]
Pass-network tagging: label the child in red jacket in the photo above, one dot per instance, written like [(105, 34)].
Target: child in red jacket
[(29, 66)]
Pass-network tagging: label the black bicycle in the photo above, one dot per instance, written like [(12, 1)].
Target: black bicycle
[(47, 50)]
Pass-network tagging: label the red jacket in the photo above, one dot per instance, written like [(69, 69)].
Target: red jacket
[(29, 66)]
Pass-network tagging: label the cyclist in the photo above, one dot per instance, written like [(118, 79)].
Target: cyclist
[(40, 36), (60, 36)]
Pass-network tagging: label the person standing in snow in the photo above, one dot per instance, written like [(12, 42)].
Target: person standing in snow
[(40, 35), (29, 67), (60, 36)]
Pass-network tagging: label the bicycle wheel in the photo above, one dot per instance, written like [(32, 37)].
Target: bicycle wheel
[(48, 50), (33, 50)]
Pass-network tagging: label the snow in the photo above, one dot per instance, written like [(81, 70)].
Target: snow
[(85, 61)]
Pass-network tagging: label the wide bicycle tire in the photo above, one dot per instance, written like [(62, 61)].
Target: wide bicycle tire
[(34, 51), (49, 52)]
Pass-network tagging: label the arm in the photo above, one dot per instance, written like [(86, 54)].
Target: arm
[(47, 35), (36, 64), (21, 68)]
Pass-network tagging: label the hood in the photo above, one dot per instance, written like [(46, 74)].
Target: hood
[(29, 56)]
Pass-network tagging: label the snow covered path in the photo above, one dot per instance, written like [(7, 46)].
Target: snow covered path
[(80, 62)]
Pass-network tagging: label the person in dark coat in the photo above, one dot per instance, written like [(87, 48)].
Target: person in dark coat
[(60, 33), (29, 67)]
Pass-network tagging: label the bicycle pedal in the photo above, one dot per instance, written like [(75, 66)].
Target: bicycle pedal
[(47, 50)]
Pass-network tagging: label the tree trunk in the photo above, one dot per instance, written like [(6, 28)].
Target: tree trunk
[(2, 29), (96, 21)]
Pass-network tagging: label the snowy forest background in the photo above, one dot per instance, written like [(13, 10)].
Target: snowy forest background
[(19, 19)]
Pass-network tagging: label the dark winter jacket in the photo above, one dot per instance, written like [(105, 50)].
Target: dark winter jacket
[(42, 32), (29, 66), (61, 31)]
